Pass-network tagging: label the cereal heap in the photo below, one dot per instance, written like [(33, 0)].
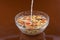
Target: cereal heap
[(37, 21)]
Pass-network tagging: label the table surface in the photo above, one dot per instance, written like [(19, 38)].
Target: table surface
[(9, 8)]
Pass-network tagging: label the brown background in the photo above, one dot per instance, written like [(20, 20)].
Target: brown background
[(9, 8)]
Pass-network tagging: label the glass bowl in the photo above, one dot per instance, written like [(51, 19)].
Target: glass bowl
[(33, 31)]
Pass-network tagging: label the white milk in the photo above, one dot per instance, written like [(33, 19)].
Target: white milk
[(31, 8)]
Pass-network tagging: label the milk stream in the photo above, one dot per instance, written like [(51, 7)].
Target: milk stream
[(31, 8)]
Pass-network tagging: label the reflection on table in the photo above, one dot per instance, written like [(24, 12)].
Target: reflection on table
[(40, 36)]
